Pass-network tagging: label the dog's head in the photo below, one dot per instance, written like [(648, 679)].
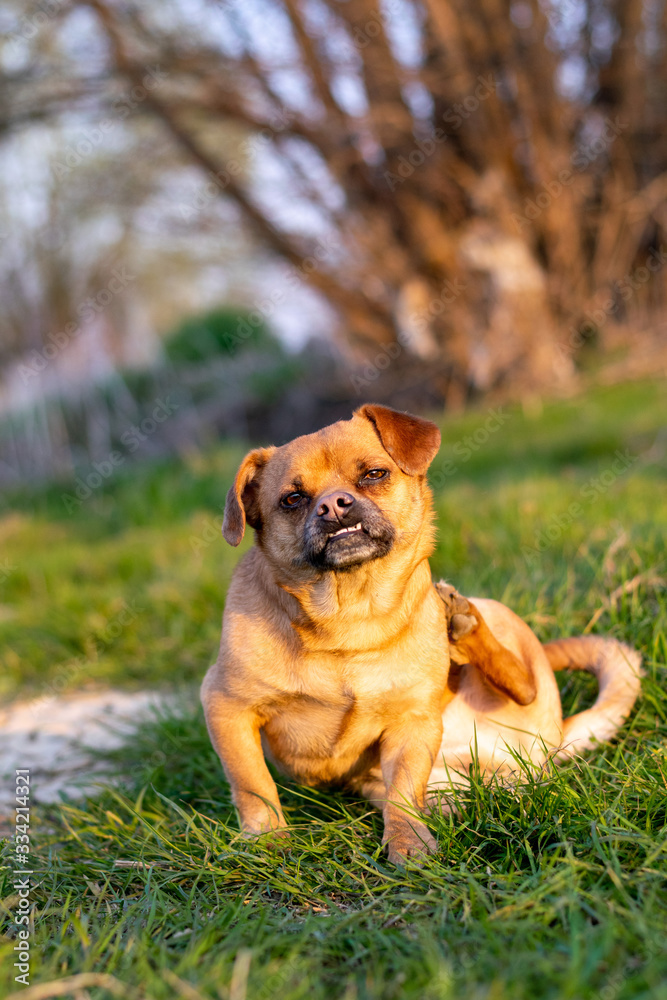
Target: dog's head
[(341, 497)]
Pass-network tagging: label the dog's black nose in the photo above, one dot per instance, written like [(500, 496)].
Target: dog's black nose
[(333, 505)]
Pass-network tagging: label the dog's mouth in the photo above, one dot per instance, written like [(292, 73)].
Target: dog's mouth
[(349, 545), (354, 529)]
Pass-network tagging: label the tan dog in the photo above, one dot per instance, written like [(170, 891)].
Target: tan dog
[(335, 655)]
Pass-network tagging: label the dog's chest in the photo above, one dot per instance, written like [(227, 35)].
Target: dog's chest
[(318, 741), (331, 728)]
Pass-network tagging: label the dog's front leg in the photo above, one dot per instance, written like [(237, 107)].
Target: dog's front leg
[(407, 755), (235, 733)]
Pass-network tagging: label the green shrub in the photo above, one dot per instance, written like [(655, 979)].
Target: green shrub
[(222, 332)]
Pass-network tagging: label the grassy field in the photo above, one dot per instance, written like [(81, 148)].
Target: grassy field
[(554, 891)]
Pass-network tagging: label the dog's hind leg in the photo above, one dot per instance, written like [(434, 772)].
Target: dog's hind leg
[(471, 641)]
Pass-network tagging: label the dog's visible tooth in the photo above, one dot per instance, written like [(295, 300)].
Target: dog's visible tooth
[(347, 531)]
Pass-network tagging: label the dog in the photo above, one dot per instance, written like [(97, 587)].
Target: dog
[(342, 664)]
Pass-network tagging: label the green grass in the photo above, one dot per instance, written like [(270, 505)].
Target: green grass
[(557, 890)]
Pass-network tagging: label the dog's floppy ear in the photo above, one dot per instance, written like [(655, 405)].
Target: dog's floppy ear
[(242, 504), (411, 441)]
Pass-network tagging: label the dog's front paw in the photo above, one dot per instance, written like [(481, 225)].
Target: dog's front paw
[(264, 831), (270, 836), (263, 821), (408, 841), (460, 619)]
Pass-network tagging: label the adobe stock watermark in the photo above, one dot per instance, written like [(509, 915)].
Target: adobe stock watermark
[(30, 26), (631, 968), (363, 35), (92, 138), (622, 289), (371, 371), (294, 278), (469, 445), (454, 117), (22, 872), (590, 493), (132, 440), (275, 983), (169, 741), (559, 12), (580, 159), (6, 570), (67, 673), (217, 182), (210, 533), (87, 310)]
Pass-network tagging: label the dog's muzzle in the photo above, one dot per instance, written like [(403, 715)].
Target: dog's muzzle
[(344, 531)]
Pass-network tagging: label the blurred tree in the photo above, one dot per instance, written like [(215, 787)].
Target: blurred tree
[(479, 180), (91, 184)]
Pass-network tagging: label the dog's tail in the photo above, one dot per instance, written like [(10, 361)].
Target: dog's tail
[(618, 670)]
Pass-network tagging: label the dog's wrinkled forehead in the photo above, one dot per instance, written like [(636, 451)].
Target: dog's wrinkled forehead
[(343, 450)]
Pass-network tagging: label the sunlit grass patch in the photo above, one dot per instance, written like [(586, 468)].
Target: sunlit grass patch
[(556, 889)]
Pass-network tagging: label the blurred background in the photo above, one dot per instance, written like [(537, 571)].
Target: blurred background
[(243, 218)]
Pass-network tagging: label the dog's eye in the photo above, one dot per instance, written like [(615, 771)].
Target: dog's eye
[(375, 474), (292, 499)]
